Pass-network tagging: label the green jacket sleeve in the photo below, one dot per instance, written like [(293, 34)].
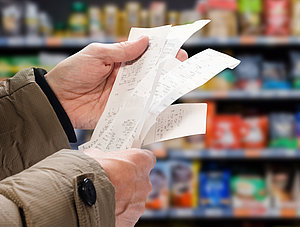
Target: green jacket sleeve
[(44, 193)]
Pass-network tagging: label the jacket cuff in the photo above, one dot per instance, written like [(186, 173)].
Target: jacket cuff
[(57, 107), (47, 193)]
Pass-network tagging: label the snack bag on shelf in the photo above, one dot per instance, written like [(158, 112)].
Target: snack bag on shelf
[(45, 24), (249, 191), (224, 23), (255, 132), (158, 199), (95, 23), (184, 184), (145, 20), (78, 21), (158, 13), (274, 75), (283, 131), (133, 15), (249, 73), (295, 26), (250, 13), (226, 133), (111, 16), (173, 17), (31, 18), (277, 17), (11, 15), (295, 68), (282, 185), (297, 118), (214, 187)]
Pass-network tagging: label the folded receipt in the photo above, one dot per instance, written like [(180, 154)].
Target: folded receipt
[(139, 110)]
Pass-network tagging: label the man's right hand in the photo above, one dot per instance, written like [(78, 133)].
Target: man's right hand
[(129, 172)]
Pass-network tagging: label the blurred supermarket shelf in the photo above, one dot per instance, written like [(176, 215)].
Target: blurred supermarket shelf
[(268, 153), (239, 94), (207, 213), (8, 42), (243, 41), (28, 42)]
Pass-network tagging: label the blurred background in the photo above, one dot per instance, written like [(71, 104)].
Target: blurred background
[(245, 170)]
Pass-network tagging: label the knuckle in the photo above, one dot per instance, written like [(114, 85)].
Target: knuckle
[(93, 45)]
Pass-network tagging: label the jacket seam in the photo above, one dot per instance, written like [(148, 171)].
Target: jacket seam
[(3, 96)]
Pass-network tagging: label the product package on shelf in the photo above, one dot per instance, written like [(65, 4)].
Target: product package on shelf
[(295, 23), (283, 130), (78, 21), (157, 13), (132, 15), (295, 68), (111, 14), (249, 73), (96, 28), (226, 133), (249, 192), (225, 19), (158, 199), (255, 132), (214, 187), (283, 186), (277, 18), (250, 14), (274, 75), (184, 184)]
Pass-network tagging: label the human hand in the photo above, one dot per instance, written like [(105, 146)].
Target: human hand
[(83, 81), (129, 172)]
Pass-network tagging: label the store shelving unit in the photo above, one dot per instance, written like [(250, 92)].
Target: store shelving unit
[(65, 44), (8, 42), (245, 95), (221, 213), (208, 154)]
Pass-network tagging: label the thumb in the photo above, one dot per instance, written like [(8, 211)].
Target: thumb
[(124, 51)]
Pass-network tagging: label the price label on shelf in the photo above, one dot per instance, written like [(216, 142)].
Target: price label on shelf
[(213, 212), (248, 40), (250, 212), (288, 212), (253, 153), (217, 153), (53, 41), (183, 213)]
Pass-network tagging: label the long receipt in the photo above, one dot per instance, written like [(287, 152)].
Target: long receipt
[(139, 111)]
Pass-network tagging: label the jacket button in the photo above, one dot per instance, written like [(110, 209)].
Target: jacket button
[(87, 192)]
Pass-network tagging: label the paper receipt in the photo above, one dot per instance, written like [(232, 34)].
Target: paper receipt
[(139, 110)]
